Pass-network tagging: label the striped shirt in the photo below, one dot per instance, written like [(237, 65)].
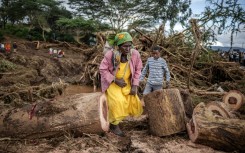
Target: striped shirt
[(157, 69)]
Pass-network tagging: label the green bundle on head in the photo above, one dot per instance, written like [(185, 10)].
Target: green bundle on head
[(122, 38)]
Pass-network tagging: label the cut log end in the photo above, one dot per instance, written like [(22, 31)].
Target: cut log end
[(234, 99), (192, 131), (103, 113), (219, 109)]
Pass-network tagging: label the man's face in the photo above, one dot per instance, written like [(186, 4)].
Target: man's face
[(125, 48), (155, 54)]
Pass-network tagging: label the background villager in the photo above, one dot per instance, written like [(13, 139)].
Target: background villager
[(15, 47), (61, 53), (8, 48), (2, 47)]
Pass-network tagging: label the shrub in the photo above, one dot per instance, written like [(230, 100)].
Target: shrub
[(6, 65), (1, 36)]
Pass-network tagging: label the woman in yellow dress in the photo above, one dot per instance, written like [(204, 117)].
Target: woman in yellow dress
[(120, 71)]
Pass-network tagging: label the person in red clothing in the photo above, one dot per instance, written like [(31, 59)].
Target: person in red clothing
[(61, 53), (7, 48)]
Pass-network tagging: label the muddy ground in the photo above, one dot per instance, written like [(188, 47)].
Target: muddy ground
[(29, 67)]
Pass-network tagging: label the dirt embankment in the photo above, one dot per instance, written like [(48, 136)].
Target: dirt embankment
[(31, 74)]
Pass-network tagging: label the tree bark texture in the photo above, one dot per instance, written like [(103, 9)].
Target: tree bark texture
[(188, 105), (216, 131), (165, 112), (81, 113)]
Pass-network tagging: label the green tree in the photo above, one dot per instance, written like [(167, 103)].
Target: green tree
[(79, 26), (4, 11), (38, 13), (224, 16), (138, 12)]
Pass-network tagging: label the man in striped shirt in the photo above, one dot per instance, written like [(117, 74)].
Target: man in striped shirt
[(157, 67)]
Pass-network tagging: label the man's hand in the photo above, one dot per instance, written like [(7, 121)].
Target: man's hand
[(167, 84), (133, 90), (120, 82)]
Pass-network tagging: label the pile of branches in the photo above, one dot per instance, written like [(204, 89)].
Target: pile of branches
[(191, 65), (20, 95)]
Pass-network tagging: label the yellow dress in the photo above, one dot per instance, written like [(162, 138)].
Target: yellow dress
[(120, 103)]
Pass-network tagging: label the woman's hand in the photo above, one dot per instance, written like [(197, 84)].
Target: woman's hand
[(133, 90), (120, 82)]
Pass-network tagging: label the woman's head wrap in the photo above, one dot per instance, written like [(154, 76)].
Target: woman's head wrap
[(122, 37)]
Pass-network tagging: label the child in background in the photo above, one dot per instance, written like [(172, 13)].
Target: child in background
[(157, 67)]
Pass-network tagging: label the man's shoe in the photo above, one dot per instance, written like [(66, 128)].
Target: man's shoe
[(116, 130)]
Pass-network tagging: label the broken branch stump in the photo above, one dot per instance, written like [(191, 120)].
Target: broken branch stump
[(81, 113), (165, 112)]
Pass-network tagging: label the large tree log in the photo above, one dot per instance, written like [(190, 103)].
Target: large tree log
[(188, 105), (234, 99), (165, 112), (81, 113), (216, 131)]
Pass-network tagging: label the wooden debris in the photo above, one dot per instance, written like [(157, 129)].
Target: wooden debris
[(196, 50), (82, 113), (234, 99), (219, 109), (216, 131), (188, 105), (165, 111)]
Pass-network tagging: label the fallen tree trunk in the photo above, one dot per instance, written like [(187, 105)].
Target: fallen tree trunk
[(216, 131), (234, 99), (188, 105), (81, 113), (165, 112)]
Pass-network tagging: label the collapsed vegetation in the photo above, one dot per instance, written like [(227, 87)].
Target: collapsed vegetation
[(32, 76)]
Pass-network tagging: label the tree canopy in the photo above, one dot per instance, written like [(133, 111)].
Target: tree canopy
[(89, 15), (28, 11), (137, 13), (224, 16)]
